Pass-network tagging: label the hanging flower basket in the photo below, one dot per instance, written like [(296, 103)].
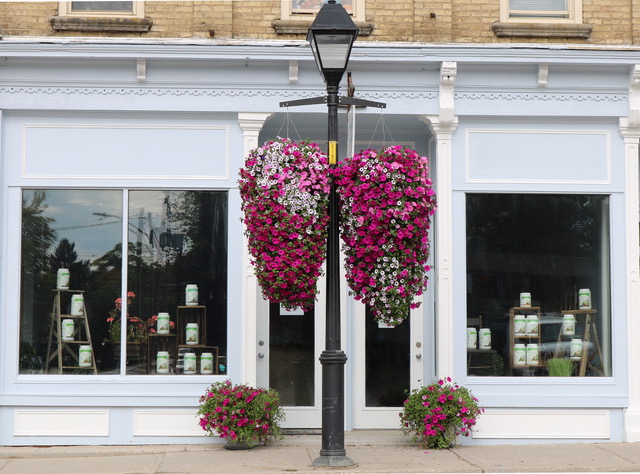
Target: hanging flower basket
[(386, 208), (284, 188)]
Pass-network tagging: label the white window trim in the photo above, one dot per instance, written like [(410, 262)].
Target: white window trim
[(64, 10), (575, 15), (286, 14)]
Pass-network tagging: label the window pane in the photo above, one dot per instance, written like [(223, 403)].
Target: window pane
[(102, 6), (539, 8), (79, 230), (388, 363), (292, 355), (177, 238), (312, 6), (551, 246)]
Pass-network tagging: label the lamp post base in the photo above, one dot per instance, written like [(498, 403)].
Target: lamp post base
[(332, 461)]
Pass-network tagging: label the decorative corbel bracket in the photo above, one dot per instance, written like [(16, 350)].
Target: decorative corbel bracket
[(141, 70), (634, 98), (448, 72), (293, 72), (543, 74)]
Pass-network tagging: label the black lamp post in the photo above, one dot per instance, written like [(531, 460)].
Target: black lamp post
[(331, 36)]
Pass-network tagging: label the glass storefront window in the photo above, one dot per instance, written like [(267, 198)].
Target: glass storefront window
[(174, 239), (552, 247)]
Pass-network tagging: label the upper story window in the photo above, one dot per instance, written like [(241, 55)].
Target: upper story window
[(541, 19), (102, 9), (299, 9), (540, 11), (113, 16)]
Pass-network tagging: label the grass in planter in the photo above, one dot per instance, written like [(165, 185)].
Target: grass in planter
[(560, 367)]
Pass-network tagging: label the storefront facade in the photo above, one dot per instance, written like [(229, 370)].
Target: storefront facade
[(134, 145)]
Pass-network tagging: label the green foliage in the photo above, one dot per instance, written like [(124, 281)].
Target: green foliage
[(560, 367), (241, 413), (434, 415)]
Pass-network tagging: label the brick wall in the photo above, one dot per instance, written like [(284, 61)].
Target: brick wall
[(615, 22)]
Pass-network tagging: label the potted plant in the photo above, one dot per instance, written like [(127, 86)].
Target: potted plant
[(560, 367), (436, 414), (244, 415)]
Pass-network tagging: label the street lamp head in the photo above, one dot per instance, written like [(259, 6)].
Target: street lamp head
[(331, 36)]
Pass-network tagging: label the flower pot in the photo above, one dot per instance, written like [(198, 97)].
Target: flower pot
[(235, 444)]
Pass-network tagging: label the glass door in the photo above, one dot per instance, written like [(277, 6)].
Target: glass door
[(387, 362), (289, 346)]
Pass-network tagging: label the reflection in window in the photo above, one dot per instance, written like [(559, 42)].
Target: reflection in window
[(79, 230), (539, 8), (103, 6), (175, 239), (312, 6), (551, 246)]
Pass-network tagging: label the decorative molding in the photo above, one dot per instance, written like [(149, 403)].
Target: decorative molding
[(141, 70), (130, 25), (633, 119), (61, 422), (543, 74), (448, 72), (293, 72), (542, 96), (541, 30), (301, 27), (197, 92)]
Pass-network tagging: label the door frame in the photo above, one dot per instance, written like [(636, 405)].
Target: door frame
[(384, 417)]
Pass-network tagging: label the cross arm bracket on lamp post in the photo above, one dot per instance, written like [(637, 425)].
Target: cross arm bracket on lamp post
[(341, 101)]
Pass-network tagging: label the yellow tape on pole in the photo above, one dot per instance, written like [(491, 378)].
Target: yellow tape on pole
[(333, 152)]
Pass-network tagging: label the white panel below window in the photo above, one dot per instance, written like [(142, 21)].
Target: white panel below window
[(61, 422), (125, 151), (543, 424), (538, 156), (166, 422)]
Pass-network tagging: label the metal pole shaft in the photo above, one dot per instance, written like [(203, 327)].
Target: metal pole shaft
[(333, 359)]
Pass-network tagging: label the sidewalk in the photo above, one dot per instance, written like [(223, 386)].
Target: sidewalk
[(373, 452)]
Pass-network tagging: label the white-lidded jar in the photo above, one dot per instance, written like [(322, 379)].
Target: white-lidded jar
[(525, 300), (62, 279), (164, 323), (68, 328), (519, 325), (162, 362), (472, 338), (191, 295), (533, 327), (206, 363), (484, 338), (190, 363), (77, 305), (533, 354), (568, 325), (84, 356), (584, 298), (191, 334), (519, 354), (575, 349)]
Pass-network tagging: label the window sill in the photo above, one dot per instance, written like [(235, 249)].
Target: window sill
[(135, 25), (541, 30), (300, 27)]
